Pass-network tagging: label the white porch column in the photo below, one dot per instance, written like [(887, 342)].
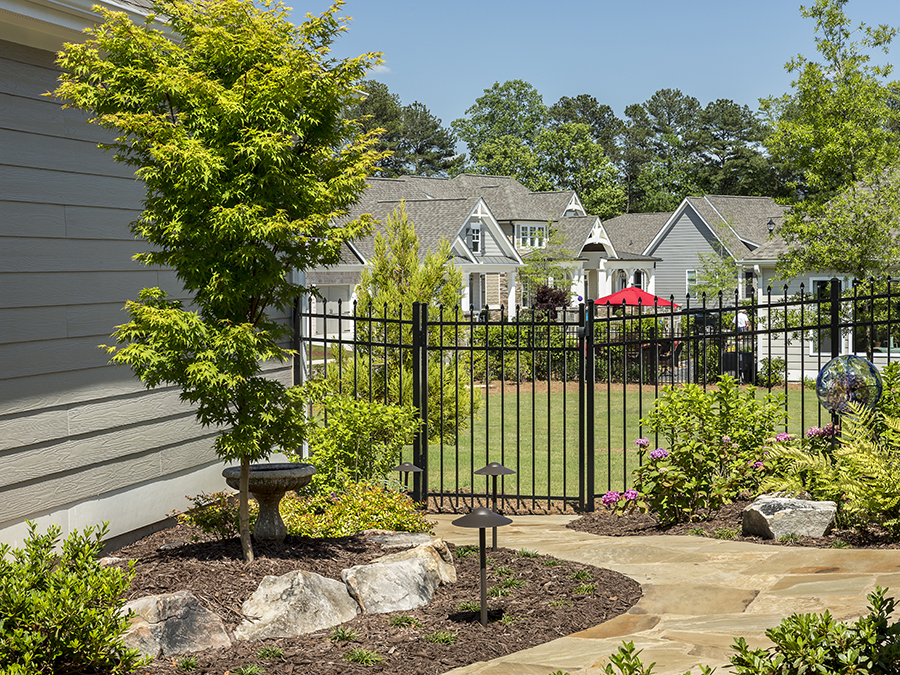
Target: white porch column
[(511, 294), (467, 284)]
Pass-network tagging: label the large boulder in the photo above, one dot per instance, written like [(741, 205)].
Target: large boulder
[(776, 517), (434, 553), (173, 623), (293, 604), (392, 586)]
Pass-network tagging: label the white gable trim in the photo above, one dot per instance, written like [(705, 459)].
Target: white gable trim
[(357, 253), (670, 223), (575, 205), (483, 214), (461, 247), (599, 235)]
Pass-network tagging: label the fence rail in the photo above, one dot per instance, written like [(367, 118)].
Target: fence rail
[(558, 395)]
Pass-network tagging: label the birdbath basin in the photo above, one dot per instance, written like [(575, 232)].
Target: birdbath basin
[(268, 483)]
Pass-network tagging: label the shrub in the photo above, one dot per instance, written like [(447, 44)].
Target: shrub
[(361, 441), (714, 448), (810, 643), (862, 475), (805, 644), (215, 513), (352, 508), (771, 372), (62, 613)]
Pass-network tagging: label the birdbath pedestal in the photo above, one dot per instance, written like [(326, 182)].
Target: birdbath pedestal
[(268, 483)]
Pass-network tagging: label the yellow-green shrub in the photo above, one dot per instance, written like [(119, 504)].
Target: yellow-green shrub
[(355, 507)]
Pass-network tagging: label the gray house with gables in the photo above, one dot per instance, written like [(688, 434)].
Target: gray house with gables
[(493, 223)]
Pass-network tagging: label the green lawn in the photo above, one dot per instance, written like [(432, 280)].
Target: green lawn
[(534, 431)]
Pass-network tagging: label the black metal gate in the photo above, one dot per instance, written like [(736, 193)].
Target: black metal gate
[(549, 393)]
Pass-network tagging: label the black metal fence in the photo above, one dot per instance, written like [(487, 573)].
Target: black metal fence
[(558, 396)]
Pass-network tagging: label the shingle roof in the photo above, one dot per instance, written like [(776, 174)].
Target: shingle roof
[(433, 219), (575, 231), (746, 216), (631, 233)]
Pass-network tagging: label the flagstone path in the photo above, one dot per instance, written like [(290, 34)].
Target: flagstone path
[(698, 594)]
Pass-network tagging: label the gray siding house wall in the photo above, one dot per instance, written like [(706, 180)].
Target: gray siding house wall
[(81, 441), (678, 252)]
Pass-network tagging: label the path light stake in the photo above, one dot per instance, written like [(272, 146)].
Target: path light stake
[(406, 468), (482, 517), (494, 469)]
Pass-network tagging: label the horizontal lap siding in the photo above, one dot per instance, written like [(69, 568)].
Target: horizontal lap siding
[(73, 427), (678, 251)]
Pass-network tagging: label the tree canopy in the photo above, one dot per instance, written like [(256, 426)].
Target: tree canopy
[(413, 139), (838, 128), (237, 130)]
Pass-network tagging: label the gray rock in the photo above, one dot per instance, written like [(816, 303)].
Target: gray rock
[(294, 604), (398, 539), (776, 517), (393, 586), (435, 554), (173, 623)]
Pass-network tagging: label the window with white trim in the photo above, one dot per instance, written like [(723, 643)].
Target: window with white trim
[(475, 239), (690, 281), (532, 236)]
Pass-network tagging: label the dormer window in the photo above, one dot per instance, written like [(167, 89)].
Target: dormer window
[(475, 239), (532, 236)]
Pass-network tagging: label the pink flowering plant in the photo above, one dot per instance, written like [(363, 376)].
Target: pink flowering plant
[(713, 448), (624, 502)]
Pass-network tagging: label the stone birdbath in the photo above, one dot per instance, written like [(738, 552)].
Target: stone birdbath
[(268, 483)]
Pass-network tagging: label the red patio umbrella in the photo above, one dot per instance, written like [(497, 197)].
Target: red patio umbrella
[(634, 296)]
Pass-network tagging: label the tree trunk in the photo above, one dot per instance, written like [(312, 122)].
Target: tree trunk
[(244, 510)]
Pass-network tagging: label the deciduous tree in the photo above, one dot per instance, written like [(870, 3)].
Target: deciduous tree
[(236, 129), (838, 128)]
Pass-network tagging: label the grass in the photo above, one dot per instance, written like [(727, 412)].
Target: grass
[(503, 571), (465, 551), (584, 589), (343, 634), (581, 575), (726, 533), (444, 637), (469, 606), (187, 663), (537, 434), (270, 652), (525, 553), (404, 621), (363, 657)]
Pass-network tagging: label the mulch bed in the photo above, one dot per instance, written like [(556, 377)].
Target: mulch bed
[(725, 521), (546, 607)]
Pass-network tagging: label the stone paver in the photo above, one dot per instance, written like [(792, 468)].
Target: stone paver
[(699, 594)]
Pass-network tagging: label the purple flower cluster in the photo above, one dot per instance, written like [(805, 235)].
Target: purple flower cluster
[(756, 465), (827, 431), (659, 453), (726, 440), (642, 442), (610, 498), (783, 437)]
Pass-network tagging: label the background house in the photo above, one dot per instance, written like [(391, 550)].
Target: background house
[(81, 441), (493, 224), (726, 225)]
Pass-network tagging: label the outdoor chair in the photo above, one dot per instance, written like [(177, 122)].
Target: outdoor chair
[(669, 360)]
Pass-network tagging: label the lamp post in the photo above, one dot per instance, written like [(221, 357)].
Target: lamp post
[(482, 517), (494, 469), (407, 468)]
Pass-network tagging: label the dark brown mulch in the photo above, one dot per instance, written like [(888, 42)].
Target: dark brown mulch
[(545, 608), (605, 522)]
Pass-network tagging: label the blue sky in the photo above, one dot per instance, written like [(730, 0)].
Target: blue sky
[(444, 54)]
